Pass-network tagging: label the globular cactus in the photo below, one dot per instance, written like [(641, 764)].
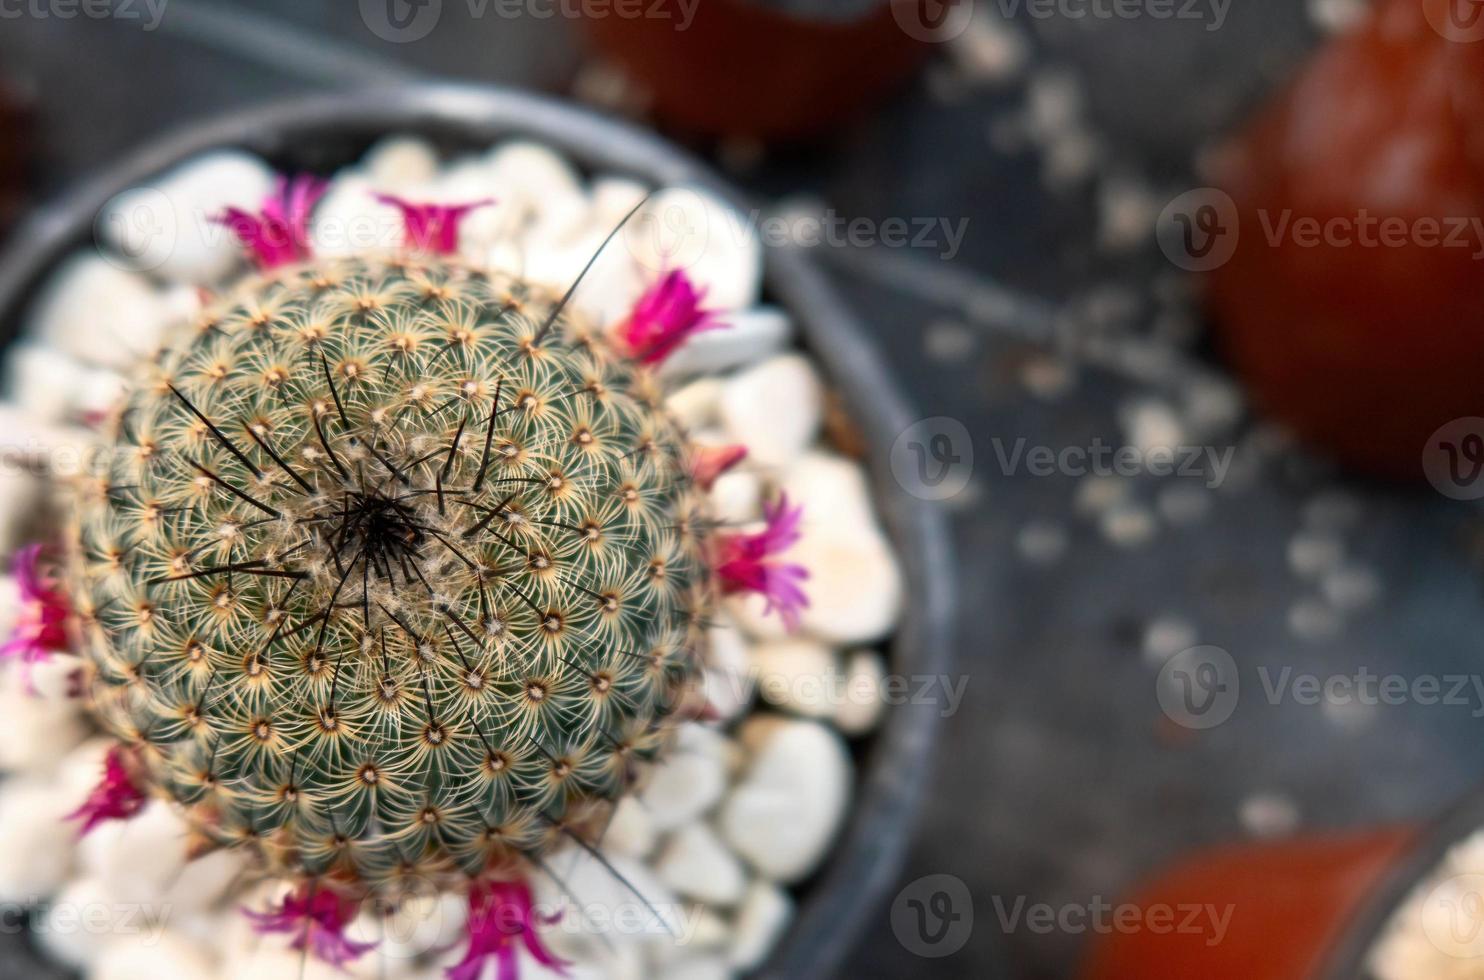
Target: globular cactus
[(395, 571)]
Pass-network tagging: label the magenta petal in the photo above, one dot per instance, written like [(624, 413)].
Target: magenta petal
[(501, 919), (664, 317), (278, 234), (744, 562), (433, 227), (116, 797)]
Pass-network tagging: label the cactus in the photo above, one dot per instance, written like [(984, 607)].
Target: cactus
[(393, 571)]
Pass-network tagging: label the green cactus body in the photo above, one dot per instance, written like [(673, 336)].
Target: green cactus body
[(391, 572)]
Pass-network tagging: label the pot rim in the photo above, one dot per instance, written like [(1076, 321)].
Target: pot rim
[(890, 781), (1465, 818)]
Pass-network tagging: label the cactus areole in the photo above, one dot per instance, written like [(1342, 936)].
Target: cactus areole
[(392, 571)]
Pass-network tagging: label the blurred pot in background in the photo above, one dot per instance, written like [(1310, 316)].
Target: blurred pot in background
[(770, 69), (1351, 304)]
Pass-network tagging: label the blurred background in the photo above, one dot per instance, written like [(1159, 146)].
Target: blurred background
[(1036, 150)]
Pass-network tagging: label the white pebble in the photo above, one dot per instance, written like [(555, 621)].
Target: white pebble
[(98, 313), (774, 409), (854, 587), (761, 922), (1129, 525), (832, 490), (630, 829), (801, 675), (1351, 587), (1166, 636), (697, 968), (784, 815), (682, 228), (400, 162), (589, 885), (350, 220), (36, 839), (696, 405), (682, 787), (1041, 542), (696, 864), (1150, 424), (743, 337), (728, 681), (737, 497), (74, 927), (43, 380), (42, 723), (864, 699), (137, 859), (165, 957), (170, 228), (1269, 815), (1312, 554), (1096, 494)]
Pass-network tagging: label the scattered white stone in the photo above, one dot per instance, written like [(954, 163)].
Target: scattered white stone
[(1314, 619), (833, 492), (761, 921), (1351, 587), (421, 924), (1166, 636), (854, 587), (784, 814), (398, 163), (1041, 542), (540, 189), (137, 859), (164, 957), (682, 228), (697, 968), (744, 337), (612, 200), (948, 342), (1269, 815), (1127, 210), (169, 229), (737, 498), (800, 675), (697, 405), (589, 885), (43, 380), (682, 787), (1047, 377), (728, 680), (1150, 424), (1183, 504), (1129, 525), (864, 699), (1335, 16), (1096, 493), (42, 723), (36, 848), (350, 220), (1312, 554), (60, 928), (990, 49), (696, 864), (630, 830), (774, 409), (98, 313)]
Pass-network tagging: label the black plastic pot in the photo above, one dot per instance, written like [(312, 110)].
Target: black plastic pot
[(323, 133)]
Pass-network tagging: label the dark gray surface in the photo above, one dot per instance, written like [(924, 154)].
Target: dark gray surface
[(1058, 781)]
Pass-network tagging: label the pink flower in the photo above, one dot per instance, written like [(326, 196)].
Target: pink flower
[(668, 313), (41, 627), (279, 233), (317, 917), (116, 797), (744, 562), (710, 462), (433, 227), (500, 921)]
